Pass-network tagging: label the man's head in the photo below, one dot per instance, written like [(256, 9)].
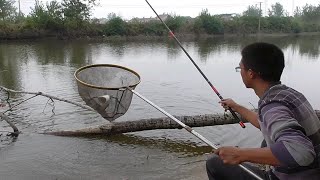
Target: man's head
[(261, 60)]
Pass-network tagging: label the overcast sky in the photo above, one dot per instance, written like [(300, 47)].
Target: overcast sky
[(128, 9)]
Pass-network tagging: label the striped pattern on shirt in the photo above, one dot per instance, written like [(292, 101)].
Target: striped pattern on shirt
[(290, 126)]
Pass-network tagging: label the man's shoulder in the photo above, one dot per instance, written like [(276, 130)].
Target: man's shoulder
[(282, 94)]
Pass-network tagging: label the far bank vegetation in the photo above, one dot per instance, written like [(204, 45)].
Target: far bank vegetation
[(72, 19)]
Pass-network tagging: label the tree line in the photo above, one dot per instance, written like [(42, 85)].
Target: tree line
[(72, 18)]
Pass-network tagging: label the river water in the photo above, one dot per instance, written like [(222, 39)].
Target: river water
[(168, 79)]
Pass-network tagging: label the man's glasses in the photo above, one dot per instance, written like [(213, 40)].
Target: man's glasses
[(238, 69)]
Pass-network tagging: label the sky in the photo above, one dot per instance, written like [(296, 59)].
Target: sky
[(129, 9)]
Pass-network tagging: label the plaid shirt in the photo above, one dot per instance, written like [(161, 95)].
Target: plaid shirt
[(291, 129)]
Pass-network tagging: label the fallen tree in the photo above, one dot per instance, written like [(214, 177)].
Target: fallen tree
[(150, 124), (112, 128)]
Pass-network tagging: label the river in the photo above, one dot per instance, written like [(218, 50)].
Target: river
[(168, 79)]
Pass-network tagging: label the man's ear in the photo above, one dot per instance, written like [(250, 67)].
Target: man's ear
[(252, 74)]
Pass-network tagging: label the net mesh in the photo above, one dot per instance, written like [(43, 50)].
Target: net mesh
[(104, 87)]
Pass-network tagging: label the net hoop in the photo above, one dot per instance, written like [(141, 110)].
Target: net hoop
[(105, 65)]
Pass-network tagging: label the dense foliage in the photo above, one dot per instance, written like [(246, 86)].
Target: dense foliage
[(72, 18)]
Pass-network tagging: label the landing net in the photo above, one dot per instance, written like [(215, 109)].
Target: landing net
[(104, 87)]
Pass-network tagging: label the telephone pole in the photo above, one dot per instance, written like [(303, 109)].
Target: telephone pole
[(19, 9), (292, 7), (265, 7), (259, 18)]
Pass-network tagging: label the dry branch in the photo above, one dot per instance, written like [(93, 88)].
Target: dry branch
[(48, 96), (7, 119)]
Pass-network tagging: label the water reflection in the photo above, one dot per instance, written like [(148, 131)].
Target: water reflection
[(309, 46), (9, 70), (304, 45), (49, 52), (173, 50), (174, 146)]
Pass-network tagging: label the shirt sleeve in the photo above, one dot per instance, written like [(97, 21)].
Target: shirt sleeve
[(290, 144)]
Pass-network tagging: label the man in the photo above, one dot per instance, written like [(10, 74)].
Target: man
[(286, 119)]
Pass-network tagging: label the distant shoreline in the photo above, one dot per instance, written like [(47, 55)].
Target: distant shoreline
[(183, 36)]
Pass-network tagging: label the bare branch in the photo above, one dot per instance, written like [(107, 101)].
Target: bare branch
[(48, 96), (7, 119), (52, 105), (11, 107)]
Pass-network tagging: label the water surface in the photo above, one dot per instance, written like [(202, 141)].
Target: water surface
[(168, 79)]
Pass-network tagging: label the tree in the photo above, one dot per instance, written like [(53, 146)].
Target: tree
[(297, 12), (47, 17), (277, 10), (311, 13), (7, 9), (115, 25), (76, 12), (211, 24), (78, 9), (174, 22), (252, 11), (54, 10)]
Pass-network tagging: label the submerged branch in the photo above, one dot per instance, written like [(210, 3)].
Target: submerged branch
[(48, 96), (7, 119)]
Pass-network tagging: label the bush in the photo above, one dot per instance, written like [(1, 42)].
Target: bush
[(115, 26), (154, 28), (210, 24)]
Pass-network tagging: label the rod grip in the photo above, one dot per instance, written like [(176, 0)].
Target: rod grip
[(237, 118)]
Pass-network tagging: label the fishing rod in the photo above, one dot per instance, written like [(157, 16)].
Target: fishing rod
[(194, 63), (190, 130)]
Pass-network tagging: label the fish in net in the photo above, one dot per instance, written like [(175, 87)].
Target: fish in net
[(104, 87)]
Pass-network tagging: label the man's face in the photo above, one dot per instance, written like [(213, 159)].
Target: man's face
[(245, 75)]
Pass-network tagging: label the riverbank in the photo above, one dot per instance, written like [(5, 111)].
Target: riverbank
[(185, 36)]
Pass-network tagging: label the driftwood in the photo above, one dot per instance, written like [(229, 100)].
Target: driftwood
[(131, 126), (150, 124), (155, 123)]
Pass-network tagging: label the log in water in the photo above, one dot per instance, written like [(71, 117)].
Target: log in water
[(154, 123)]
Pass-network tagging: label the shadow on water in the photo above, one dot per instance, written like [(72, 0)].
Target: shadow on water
[(181, 147)]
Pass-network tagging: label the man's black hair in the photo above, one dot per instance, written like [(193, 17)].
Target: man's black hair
[(265, 59)]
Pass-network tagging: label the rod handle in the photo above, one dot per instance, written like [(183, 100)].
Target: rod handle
[(236, 117)]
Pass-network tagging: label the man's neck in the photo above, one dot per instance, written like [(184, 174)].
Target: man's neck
[(261, 87)]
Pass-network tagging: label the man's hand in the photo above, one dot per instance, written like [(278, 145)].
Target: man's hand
[(228, 103), (230, 155)]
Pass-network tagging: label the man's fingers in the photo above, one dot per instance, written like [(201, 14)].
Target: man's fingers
[(217, 151)]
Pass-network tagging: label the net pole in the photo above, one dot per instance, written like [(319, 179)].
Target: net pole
[(194, 63), (189, 129)]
